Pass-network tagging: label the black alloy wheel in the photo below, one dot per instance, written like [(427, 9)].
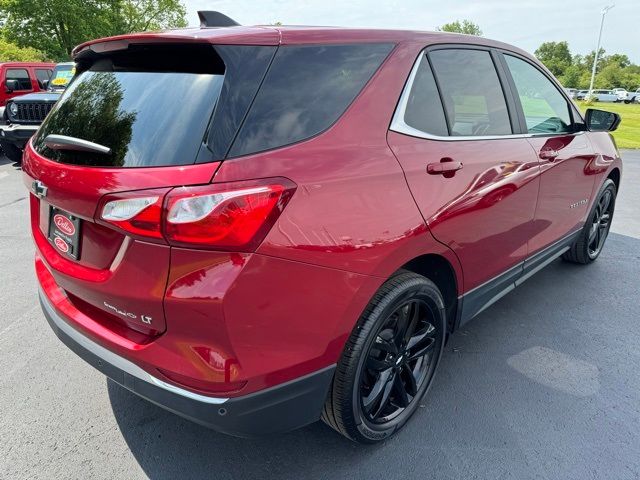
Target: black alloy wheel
[(389, 361), (600, 223), (399, 361), (590, 242)]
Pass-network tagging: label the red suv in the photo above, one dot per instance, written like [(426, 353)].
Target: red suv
[(259, 227)]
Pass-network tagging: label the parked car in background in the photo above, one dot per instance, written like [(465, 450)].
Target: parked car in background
[(572, 92), (24, 114), (602, 96), (19, 78), (580, 94), (629, 97), (259, 227)]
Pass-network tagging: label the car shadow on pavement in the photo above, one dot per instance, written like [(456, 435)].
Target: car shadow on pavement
[(526, 381)]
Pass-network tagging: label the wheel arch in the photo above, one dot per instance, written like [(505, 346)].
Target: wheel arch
[(440, 271), (614, 175)]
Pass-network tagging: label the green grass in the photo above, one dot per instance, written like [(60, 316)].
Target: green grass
[(628, 133)]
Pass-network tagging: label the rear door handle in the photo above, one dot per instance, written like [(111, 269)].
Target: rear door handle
[(444, 167)]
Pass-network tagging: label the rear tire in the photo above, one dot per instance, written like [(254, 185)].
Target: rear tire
[(389, 361), (593, 236), (12, 152)]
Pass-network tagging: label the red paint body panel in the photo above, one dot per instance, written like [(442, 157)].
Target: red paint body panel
[(484, 212), (565, 180), (363, 207)]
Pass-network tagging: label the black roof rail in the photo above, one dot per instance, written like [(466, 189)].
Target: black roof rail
[(209, 18)]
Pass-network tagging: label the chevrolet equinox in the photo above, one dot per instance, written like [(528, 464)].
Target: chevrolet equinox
[(260, 227)]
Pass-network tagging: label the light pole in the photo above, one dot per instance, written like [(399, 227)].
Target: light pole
[(595, 57)]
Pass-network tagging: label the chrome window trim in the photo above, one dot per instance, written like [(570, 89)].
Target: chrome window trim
[(398, 124)]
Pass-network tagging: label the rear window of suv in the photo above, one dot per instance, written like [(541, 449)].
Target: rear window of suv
[(150, 107), (160, 105)]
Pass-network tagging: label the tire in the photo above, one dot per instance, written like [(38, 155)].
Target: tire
[(585, 249), (12, 152), (372, 361)]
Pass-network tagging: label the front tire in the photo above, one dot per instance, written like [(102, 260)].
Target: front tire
[(589, 244), (389, 361)]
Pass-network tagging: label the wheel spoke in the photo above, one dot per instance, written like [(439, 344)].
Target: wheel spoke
[(404, 317), (377, 390), (417, 338), (604, 202), (384, 398), (412, 386), (384, 342), (401, 393), (422, 349), (376, 364), (414, 318), (592, 233)]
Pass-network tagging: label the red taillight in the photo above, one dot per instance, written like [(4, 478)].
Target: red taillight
[(138, 213), (230, 216), (223, 216)]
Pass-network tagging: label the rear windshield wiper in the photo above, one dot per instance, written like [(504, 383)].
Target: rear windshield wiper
[(62, 142)]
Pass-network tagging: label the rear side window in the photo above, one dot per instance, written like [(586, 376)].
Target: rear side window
[(424, 109), (545, 108), (150, 105), (21, 75), (471, 92), (305, 91)]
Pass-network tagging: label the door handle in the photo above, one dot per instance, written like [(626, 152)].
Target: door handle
[(446, 167), (548, 154)]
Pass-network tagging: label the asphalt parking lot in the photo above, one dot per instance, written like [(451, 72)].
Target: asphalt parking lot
[(544, 384)]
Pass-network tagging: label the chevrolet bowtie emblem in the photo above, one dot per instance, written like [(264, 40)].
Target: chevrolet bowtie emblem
[(39, 189)]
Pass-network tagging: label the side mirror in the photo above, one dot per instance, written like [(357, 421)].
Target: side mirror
[(601, 121), (12, 85), (45, 84)]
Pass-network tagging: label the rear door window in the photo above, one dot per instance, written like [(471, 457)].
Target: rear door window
[(22, 76), (424, 109), (305, 91), (545, 108), (471, 92)]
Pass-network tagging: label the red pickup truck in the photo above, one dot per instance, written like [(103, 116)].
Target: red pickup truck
[(18, 78)]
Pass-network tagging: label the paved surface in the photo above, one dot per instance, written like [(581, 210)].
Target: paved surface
[(545, 384)]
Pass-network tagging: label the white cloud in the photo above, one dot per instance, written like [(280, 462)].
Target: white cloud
[(525, 23)]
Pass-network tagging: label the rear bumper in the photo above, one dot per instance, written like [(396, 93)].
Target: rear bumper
[(17, 134), (281, 408)]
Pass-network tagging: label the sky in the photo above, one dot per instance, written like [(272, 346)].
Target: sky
[(524, 23)]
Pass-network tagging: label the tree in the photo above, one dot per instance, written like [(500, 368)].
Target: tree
[(56, 26), (555, 56), (466, 26), (571, 77), (10, 52)]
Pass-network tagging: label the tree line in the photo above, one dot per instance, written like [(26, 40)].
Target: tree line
[(34, 30), (573, 70)]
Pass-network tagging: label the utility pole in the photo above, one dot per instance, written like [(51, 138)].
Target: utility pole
[(595, 57)]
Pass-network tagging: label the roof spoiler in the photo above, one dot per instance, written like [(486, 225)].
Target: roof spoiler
[(209, 18)]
